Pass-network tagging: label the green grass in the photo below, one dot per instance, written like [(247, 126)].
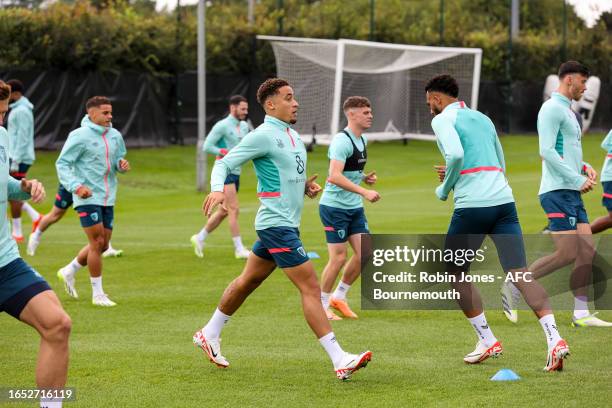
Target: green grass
[(140, 354)]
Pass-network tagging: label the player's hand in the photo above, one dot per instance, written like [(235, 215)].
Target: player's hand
[(370, 178), (34, 188), (124, 165), (312, 188), (587, 186), (83, 192), (212, 200), (591, 173), (371, 195), (441, 170)]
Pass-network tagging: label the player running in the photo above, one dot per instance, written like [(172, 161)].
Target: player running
[(223, 137), (564, 177), (87, 167), (605, 222), (279, 157), (341, 207), (24, 294), (21, 151), (484, 204)]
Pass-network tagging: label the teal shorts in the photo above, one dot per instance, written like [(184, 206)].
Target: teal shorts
[(19, 283)]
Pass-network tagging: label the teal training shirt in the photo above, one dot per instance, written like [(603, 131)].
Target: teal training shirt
[(279, 157), (21, 131), (560, 146), (341, 149), (475, 166), (225, 134), (606, 171), (90, 157), (10, 189)]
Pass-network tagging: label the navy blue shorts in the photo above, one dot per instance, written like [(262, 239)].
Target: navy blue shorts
[(63, 198), (19, 283), (606, 201), (21, 172), (281, 245), (339, 223), (469, 226), (564, 209), (91, 215), (233, 179)]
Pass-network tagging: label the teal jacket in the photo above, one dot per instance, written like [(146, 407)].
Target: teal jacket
[(224, 136), (10, 189), (21, 131), (606, 172), (475, 165), (279, 157), (90, 157)]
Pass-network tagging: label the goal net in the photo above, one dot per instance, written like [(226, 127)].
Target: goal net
[(324, 73)]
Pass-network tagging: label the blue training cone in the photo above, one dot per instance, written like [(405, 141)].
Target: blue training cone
[(313, 255), (505, 374)]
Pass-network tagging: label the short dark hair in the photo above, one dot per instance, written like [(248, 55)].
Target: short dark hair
[(356, 102), (573, 67), (445, 84), (5, 90), (97, 101), (237, 100), (270, 88), (16, 85)]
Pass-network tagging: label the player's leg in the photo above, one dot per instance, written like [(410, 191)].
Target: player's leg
[(233, 208), (99, 298), (197, 240), (16, 216), (605, 222), (46, 221)]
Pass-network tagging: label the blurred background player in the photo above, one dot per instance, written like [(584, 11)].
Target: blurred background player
[(605, 222), (24, 294), (484, 205), (341, 207), (279, 157), (87, 167), (564, 177), (63, 201), (21, 151), (223, 137)]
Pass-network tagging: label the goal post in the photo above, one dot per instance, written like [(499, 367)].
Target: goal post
[(393, 76)]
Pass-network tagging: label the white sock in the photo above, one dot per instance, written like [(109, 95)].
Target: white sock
[(17, 227), (213, 328), (73, 267), (341, 290), (50, 403), (238, 243), (96, 286), (550, 330), (581, 307), (110, 247), (482, 329), (37, 234), (331, 345), (325, 300), (515, 292), (202, 235), (31, 211)]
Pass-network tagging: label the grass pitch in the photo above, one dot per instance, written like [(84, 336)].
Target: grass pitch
[(140, 354)]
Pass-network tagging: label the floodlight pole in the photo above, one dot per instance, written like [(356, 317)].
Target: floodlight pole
[(441, 22), (372, 19), (201, 157), (337, 88)]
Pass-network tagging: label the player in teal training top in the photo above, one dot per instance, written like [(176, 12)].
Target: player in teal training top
[(223, 137), (279, 157), (87, 166), (341, 207), (605, 222), (475, 171), (564, 177), (24, 294)]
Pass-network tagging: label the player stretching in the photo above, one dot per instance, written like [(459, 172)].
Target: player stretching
[(279, 157), (24, 294), (564, 177), (63, 201), (223, 137), (605, 222), (341, 207), (21, 151), (475, 172), (88, 166)]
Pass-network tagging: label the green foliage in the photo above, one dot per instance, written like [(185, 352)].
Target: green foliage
[(130, 35)]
